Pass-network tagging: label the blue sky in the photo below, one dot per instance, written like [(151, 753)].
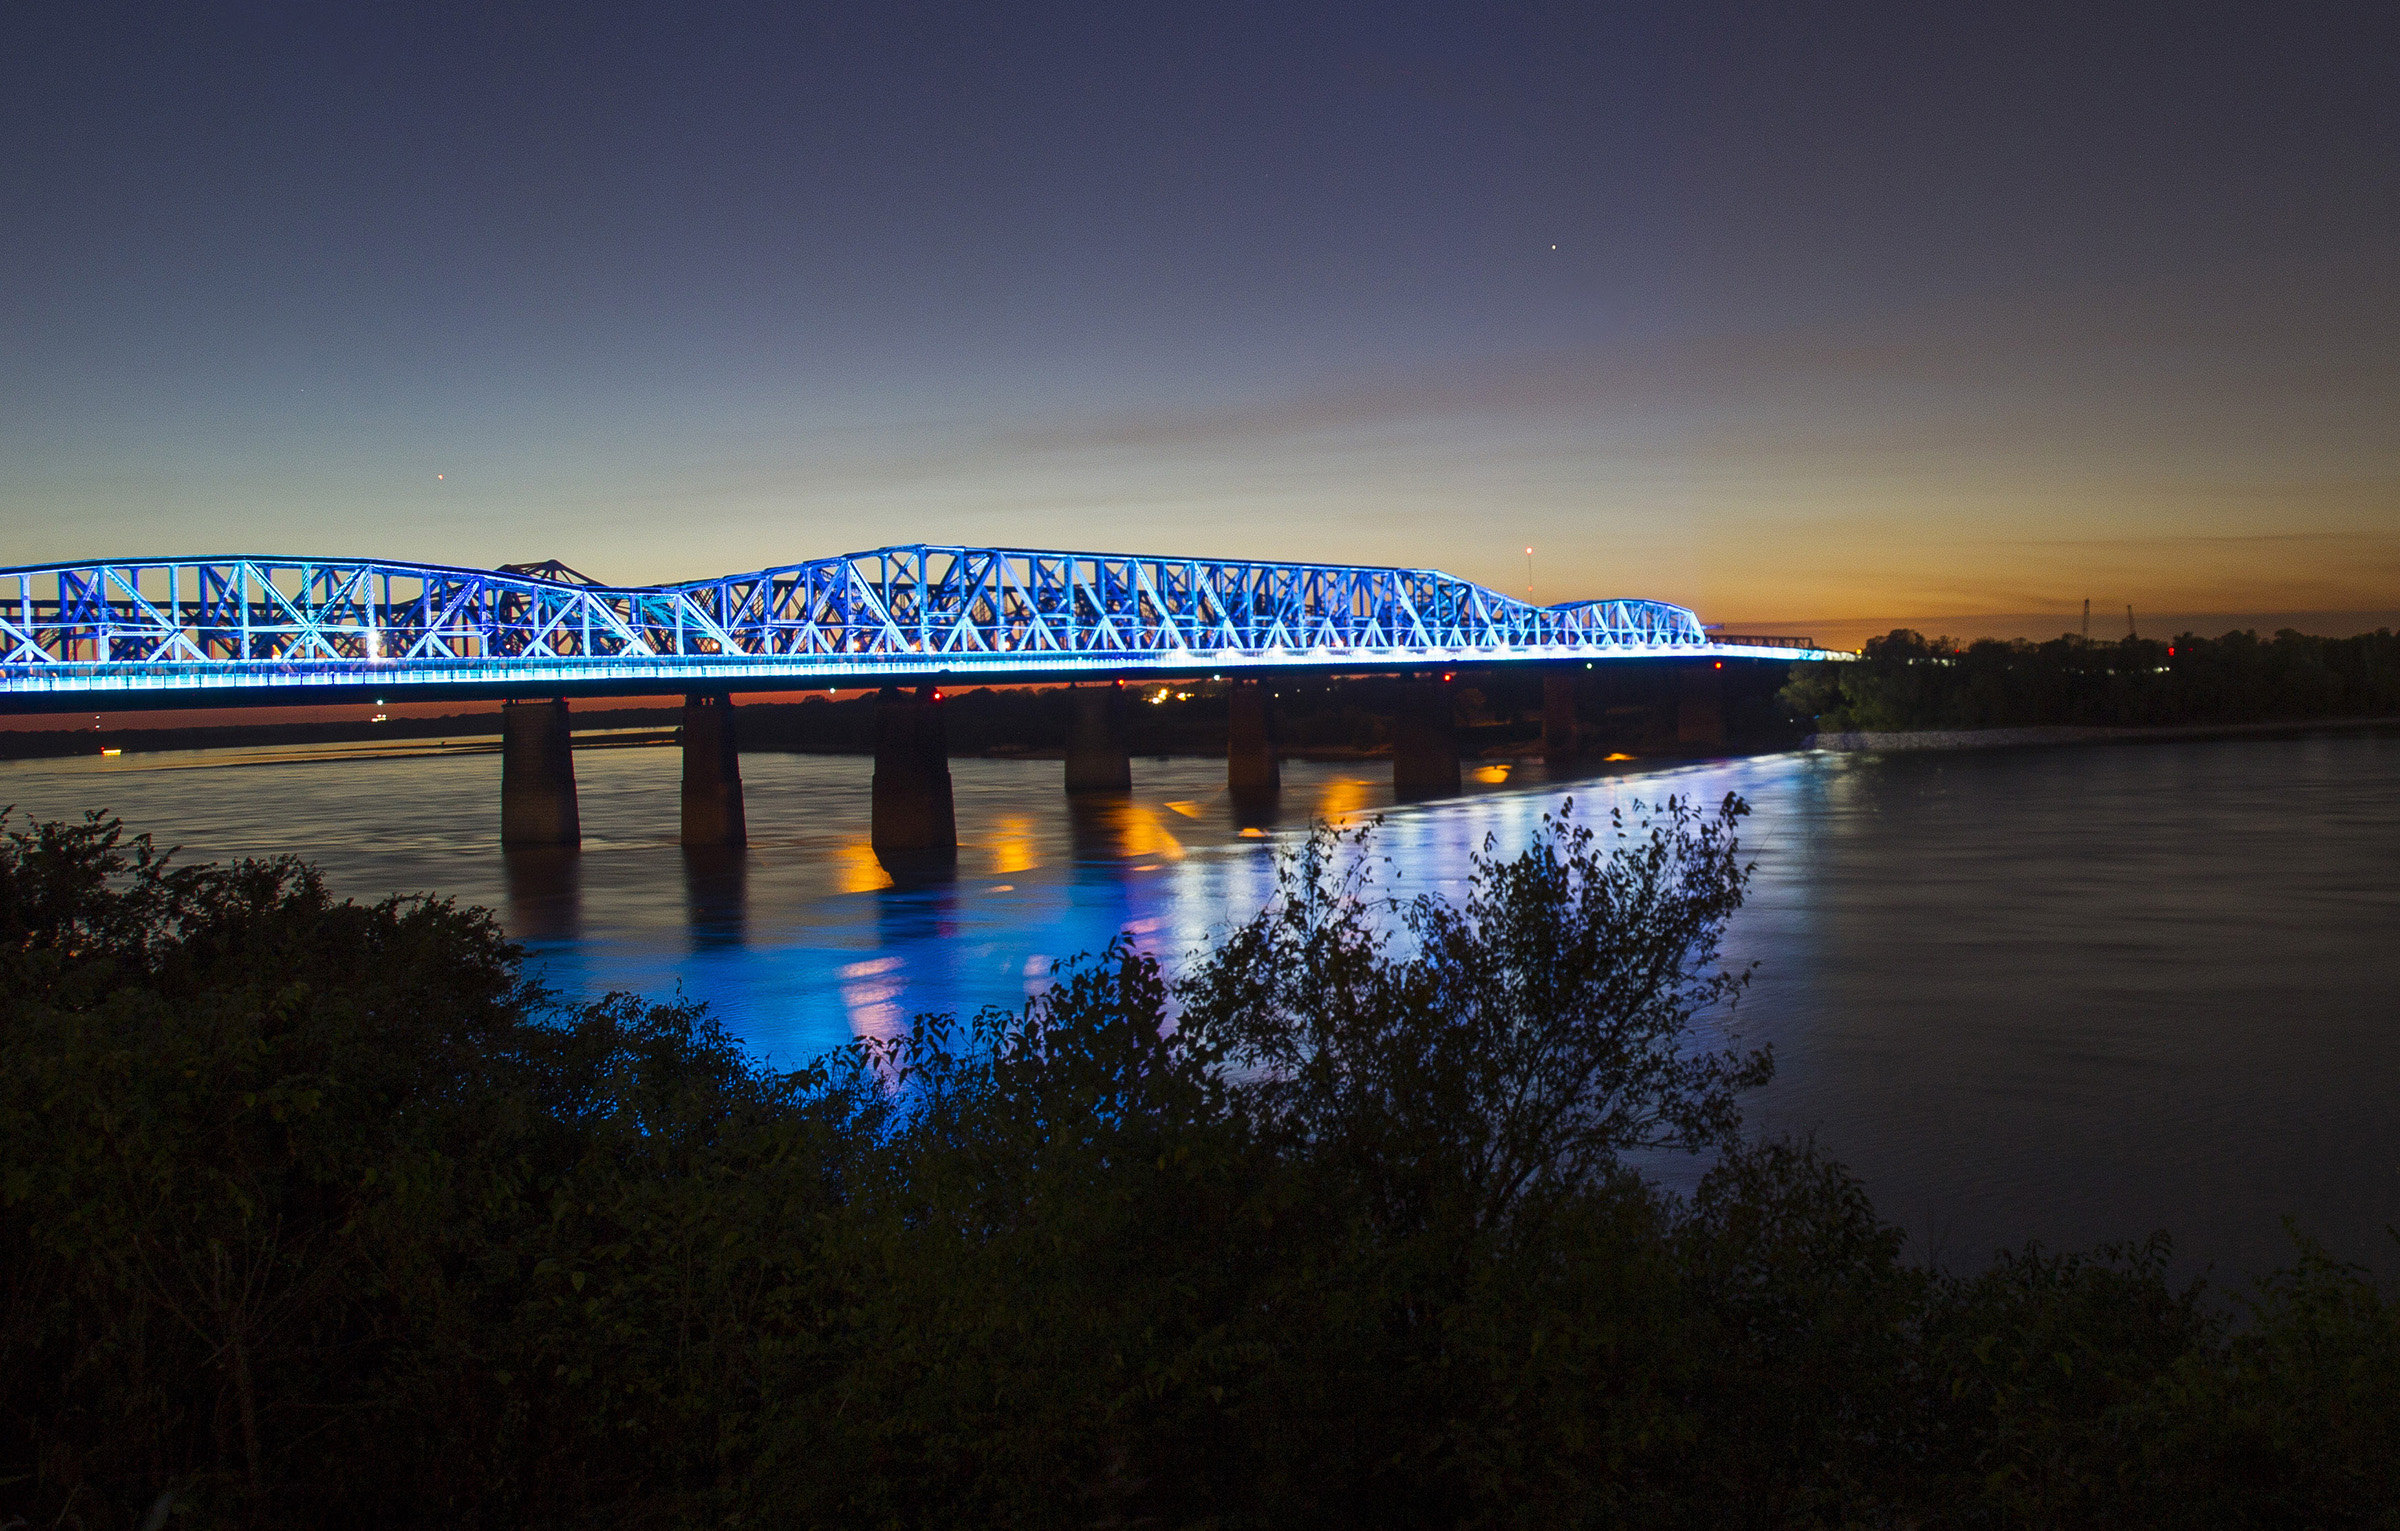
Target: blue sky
[(1845, 313)]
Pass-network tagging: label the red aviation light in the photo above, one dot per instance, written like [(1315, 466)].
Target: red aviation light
[(1720, 664)]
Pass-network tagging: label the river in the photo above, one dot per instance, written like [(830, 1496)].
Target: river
[(2069, 994)]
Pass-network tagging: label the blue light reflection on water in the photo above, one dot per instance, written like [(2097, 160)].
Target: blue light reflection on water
[(802, 942), (2072, 994)]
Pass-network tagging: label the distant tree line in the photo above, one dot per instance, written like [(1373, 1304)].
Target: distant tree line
[(317, 1213), (1498, 708), (50, 743), (1346, 715), (1908, 681)]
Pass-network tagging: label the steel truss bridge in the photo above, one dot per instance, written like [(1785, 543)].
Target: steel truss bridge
[(168, 631)]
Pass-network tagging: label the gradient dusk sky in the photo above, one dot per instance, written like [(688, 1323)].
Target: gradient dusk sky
[(1845, 315)]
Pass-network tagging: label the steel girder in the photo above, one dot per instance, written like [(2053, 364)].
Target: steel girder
[(224, 623)]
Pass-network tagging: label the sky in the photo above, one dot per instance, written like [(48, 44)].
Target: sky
[(1824, 318)]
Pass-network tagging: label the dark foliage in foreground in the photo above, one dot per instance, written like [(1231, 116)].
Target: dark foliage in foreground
[(316, 1214), (1907, 681)]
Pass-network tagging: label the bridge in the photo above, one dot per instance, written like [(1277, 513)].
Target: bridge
[(247, 631)]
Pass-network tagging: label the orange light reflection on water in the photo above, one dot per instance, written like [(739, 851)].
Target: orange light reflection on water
[(856, 870), (1143, 832), (1013, 846), (1341, 797)]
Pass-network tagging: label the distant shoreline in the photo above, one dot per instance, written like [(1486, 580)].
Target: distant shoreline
[(2027, 738)]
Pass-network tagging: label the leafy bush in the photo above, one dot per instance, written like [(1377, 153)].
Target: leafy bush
[(318, 1213)]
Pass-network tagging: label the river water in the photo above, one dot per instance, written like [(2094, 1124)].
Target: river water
[(2065, 994)]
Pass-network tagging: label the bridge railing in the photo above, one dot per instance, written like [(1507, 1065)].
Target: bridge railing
[(975, 606)]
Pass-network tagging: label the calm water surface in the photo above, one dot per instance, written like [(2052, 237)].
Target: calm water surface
[(2072, 995)]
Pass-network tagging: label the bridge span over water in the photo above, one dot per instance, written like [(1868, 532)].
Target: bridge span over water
[(228, 631), (247, 631)]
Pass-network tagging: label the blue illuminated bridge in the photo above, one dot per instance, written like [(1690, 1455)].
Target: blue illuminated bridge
[(148, 633)]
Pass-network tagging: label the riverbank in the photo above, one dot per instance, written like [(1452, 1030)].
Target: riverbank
[(2023, 738)]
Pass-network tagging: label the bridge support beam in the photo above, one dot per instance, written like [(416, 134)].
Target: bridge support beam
[(1425, 742), (1558, 716), (913, 817), (537, 775), (712, 773), (1700, 705), (1097, 758), (1251, 767)]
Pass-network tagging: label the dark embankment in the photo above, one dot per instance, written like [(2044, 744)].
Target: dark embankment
[(315, 1214)]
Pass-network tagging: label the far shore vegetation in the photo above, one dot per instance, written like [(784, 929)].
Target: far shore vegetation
[(320, 1213), (1907, 681)]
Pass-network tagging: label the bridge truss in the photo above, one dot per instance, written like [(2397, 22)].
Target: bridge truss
[(215, 625)]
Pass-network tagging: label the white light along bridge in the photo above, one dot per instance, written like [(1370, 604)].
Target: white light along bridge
[(144, 631)]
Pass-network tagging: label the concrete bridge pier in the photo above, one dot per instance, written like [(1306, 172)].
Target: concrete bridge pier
[(1700, 705), (913, 817), (1425, 742), (1558, 716), (1251, 768), (712, 773), (537, 775), (1097, 758)]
